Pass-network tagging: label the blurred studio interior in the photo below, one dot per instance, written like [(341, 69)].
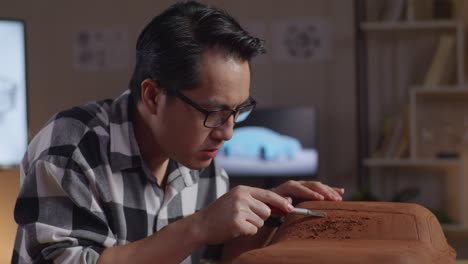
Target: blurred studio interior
[(366, 95)]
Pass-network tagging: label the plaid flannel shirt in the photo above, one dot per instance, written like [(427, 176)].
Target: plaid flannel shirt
[(85, 187)]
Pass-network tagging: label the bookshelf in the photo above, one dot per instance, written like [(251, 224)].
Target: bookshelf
[(411, 79), (412, 25), (452, 27), (412, 163), (439, 122)]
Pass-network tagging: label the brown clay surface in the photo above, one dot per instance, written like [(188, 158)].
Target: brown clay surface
[(357, 232)]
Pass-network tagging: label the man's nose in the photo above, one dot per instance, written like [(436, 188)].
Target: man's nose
[(225, 131)]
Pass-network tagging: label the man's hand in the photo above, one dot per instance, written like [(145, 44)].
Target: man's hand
[(240, 212), (309, 190), (297, 190)]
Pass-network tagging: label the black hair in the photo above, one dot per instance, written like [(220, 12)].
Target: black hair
[(170, 47)]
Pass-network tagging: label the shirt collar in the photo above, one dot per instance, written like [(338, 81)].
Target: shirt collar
[(180, 177), (124, 150)]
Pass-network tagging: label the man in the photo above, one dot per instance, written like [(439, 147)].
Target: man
[(133, 179)]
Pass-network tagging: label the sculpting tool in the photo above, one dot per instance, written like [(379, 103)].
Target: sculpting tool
[(301, 211), (308, 212)]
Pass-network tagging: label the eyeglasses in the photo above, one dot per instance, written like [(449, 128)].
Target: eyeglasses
[(217, 118)]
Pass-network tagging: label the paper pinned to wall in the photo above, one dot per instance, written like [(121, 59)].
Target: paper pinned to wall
[(302, 40), (101, 50)]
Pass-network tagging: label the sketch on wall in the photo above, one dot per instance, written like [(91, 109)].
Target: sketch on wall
[(7, 96), (13, 114), (101, 50), (302, 40)]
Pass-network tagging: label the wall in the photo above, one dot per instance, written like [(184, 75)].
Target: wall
[(55, 85), (9, 186), (328, 85)]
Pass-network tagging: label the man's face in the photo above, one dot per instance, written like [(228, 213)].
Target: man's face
[(225, 84)]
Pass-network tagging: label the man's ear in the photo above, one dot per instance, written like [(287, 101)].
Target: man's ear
[(151, 93)]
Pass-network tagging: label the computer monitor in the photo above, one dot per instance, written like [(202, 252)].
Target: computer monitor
[(13, 98), (297, 122)]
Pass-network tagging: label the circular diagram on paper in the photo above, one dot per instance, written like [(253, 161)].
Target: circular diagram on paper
[(302, 42)]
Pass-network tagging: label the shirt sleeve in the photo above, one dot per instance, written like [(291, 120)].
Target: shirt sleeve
[(212, 253), (58, 216)]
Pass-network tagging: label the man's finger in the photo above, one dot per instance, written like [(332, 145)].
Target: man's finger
[(272, 199), (325, 190), (303, 192), (260, 209), (339, 190), (255, 220)]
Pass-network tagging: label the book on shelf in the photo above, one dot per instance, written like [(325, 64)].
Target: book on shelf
[(399, 140), (393, 10), (384, 138), (441, 68), (374, 9), (402, 150), (443, 9), (419, 10), (460, 11), (394, 137)]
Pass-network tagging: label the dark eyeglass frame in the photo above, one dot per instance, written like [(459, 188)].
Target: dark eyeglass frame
[(234, 112)]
